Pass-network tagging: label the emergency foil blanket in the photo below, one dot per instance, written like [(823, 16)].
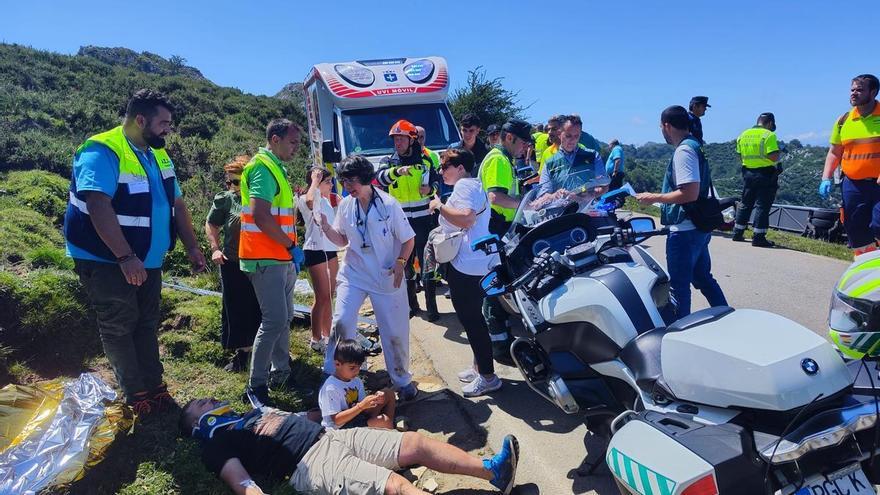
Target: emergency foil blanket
[(52, 431)]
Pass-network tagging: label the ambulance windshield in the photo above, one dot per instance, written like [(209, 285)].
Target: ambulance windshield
[(366, 130)]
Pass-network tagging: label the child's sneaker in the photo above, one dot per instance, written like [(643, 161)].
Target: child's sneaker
[(503, 465)]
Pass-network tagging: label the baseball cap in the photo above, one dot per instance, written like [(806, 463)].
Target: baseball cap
[(492, 129), (519, 128), (700, 100)]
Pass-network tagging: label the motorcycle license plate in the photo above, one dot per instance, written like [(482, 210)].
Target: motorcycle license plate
[(847, 481)]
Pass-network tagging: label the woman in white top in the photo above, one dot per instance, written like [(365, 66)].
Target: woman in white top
[(320, 254), (468, 209), (379, 239)]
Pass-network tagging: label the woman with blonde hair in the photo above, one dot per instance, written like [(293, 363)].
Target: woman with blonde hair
[(241, 314)]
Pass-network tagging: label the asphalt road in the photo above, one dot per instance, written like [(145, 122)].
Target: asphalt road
[(553, 444)]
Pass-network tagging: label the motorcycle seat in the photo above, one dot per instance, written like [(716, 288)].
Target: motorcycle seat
[(642, 354)]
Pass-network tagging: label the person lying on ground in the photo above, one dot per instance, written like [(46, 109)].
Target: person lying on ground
[(278, 444), (343, 401)]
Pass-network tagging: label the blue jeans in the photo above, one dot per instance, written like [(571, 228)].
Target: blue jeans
[(688, 261)]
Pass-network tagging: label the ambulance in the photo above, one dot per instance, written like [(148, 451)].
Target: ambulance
[(350, 106)]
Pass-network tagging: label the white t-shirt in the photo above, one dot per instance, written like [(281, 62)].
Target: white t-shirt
[(337, 396), (315, 239), (368, 262), (468, 194), (685, 170)]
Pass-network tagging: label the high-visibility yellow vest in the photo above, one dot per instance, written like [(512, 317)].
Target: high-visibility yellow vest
[(133, 208), (254, 244), (755, 145)]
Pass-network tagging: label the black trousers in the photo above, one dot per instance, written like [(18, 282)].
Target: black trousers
[(422, 227), (128, 320), (467, 299), (241, 316), (616, 181), (759, 191)]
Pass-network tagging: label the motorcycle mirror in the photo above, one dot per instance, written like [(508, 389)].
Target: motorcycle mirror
[(485, 243), (642, 224), (491, 285)]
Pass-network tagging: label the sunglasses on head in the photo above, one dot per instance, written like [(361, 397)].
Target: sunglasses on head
[(231, 182)]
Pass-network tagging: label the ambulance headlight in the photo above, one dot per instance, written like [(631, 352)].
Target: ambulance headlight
[(419, 71), (356, 75)]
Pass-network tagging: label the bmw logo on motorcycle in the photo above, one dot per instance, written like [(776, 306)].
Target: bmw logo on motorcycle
[(810, 366)]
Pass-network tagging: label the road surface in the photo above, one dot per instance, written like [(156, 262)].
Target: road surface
[(553, 444)]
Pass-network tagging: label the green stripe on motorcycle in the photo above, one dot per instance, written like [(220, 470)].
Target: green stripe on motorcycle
[(625, 473)]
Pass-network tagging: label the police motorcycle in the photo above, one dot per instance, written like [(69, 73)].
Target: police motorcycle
[(722, 401)]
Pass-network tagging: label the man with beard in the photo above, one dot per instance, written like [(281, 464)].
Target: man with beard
[(124, 213), (547, 143), (687, 247), (855, 146), (408, 177)]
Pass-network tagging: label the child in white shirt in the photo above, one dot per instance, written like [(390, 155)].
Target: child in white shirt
[(343, 401)]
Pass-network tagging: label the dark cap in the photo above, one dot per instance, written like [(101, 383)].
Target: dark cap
[(700, 100), (519, 128), (493, 129)]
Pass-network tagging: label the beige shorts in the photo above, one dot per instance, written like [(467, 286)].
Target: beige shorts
[(356, 461)]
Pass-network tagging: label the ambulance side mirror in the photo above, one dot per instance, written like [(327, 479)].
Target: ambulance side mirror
[(329, 152)]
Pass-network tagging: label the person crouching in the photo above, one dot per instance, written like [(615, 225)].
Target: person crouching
[(343, 401)]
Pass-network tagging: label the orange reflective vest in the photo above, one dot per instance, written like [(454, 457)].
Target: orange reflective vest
[(253, 243), (860, 138)]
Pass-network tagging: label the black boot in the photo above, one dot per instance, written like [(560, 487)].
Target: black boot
[(738, 235), (760, 240), (413, 300), (431, 300)]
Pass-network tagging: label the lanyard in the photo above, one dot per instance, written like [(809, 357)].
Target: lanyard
[(362, 225)]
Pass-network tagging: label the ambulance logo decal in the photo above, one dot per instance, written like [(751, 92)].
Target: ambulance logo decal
[(390, 76)]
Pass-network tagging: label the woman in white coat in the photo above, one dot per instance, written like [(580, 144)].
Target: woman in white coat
[(379, 239)]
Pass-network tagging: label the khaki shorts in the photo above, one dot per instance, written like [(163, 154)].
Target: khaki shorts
[(357, 461)]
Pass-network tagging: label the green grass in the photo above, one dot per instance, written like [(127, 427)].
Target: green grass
[(782, 239), (154, 460)]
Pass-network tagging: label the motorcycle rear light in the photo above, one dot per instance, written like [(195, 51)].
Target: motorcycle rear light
[(703, 486)]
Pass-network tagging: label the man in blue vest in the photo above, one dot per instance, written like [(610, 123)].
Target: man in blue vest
[(687, 247), (124, 213)]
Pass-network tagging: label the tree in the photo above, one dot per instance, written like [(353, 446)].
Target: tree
[(487, 98), (177, 62)]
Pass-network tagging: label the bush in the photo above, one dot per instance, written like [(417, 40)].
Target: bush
[(42, 191)]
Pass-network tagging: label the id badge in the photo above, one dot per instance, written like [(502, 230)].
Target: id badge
[(366, 249), (138, 187)]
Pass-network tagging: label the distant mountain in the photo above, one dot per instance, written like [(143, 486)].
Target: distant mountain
[(49, 103), (144, 61), (798, 183), (291, 91)]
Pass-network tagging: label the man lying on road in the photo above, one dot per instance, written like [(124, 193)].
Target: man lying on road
[(354, 461)]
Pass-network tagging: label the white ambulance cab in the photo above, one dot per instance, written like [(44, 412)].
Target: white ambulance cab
[(352, 105)]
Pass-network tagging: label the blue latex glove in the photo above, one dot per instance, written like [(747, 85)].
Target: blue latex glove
[(825, 188), (297, 255)]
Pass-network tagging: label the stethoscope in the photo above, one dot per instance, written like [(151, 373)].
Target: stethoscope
[(362, 224)]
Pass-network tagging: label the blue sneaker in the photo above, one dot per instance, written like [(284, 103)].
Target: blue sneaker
[(409, 392), (503, 465)]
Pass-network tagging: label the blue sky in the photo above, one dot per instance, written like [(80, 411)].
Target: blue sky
[(618, 64)]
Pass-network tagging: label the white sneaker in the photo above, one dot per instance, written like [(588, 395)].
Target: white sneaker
[(319, 346), (467, 375), (481, 386)]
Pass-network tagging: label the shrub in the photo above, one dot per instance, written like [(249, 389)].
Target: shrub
[(42, 191)]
